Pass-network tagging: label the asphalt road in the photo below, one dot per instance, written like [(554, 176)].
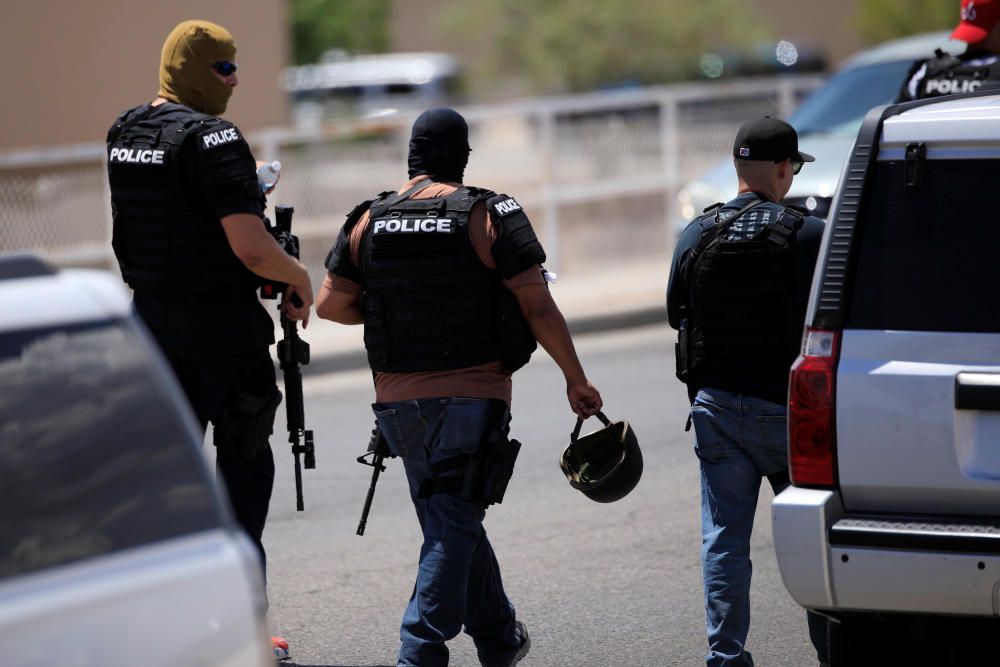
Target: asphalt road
[(597, 585)]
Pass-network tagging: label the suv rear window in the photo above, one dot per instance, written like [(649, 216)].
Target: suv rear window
[(94, 454), (927, 256)]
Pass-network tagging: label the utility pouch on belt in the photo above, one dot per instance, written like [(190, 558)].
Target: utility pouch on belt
[(246, 425)]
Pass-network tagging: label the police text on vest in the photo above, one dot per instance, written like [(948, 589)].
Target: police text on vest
[(414, 226), (220, 137), (951, 86), (507, 206), (136, 156)]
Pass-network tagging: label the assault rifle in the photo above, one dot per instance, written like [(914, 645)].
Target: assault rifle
[(378, 449), (292, 353)]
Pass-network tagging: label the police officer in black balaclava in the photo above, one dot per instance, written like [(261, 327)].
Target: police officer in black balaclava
[(447, 280), (190, 242), (439, 145)]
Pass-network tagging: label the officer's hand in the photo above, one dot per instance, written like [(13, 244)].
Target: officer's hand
[(584, 399), (303, 290)]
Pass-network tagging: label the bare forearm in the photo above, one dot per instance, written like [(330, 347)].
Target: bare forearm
[(271, 262), (550, 330)]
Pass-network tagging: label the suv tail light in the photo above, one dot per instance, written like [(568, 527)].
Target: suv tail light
[(811, 424)]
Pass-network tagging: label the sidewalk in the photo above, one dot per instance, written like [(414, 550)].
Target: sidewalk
[(602, 300)]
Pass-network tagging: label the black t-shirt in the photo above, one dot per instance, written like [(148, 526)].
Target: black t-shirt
[(218, 173), (806, 249)]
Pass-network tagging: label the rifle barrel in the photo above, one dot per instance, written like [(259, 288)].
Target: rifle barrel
[(377, 462)]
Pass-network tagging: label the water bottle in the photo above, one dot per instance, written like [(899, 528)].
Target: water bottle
[(267, 175)]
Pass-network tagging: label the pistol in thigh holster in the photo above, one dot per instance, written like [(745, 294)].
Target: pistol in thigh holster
[(245, 425), (481, 477)]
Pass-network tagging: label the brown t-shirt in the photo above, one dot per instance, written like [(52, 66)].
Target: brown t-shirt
[(482, 381)]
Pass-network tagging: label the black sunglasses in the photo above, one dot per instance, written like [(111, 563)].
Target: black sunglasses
[(224, 67), (796, 165)]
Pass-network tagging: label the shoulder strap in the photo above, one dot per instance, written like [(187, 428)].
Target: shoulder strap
[(941, 62), (720, 226), (126, 121), (384, 204), (782, 230)]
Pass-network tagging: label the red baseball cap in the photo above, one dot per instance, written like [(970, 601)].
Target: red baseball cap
[(978, 19)]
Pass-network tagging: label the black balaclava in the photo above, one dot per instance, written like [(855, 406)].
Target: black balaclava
[(439, 145)]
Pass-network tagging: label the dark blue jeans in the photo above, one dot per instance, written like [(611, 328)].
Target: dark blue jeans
[(739, 441), (458, 578)]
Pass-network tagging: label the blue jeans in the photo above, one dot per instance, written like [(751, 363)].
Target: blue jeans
[(458, 578), (739, 441)]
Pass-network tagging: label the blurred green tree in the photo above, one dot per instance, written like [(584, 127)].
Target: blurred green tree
[(581, 44), (879, 20), (359, 26)]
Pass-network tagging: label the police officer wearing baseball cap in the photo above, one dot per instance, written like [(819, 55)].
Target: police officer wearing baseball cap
[(737, 295), (190, 241), (977, 68)]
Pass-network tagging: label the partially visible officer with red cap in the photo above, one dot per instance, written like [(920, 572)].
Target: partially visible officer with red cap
[(978, 68), (190, 241)]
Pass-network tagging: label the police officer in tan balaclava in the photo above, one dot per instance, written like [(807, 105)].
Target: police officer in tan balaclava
[(188, 234)]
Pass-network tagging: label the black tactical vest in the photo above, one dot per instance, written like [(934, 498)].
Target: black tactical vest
[(166, 239), (742, 324), (949, 75), (429, 302)]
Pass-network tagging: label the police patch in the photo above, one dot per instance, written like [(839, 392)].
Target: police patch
[(506, 206), (414, 226), (136, 155), (220, 137)]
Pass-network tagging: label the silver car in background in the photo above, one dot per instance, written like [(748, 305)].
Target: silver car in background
[(827, 122)]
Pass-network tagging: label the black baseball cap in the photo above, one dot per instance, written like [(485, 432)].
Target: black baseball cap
[(768, 139)]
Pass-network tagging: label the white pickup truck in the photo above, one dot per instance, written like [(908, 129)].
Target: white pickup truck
[(892, 525)]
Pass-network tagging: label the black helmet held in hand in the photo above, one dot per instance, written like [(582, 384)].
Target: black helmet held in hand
[(606, 464)]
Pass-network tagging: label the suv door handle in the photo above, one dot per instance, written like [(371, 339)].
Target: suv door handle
[(977, 391)]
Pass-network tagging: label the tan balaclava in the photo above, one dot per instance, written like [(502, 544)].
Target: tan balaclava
[(186, 75)]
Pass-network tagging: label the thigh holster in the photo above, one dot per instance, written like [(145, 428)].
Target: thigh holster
[(480, 477), (245, 426)]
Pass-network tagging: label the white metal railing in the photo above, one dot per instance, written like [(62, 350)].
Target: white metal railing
[(597, 172)]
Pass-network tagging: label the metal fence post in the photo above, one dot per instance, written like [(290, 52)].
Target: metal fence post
[(670, 162), (786, 98), (550, 206), (269, 145)]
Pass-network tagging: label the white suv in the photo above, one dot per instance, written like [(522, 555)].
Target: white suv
[(116, 547), (892, 527)]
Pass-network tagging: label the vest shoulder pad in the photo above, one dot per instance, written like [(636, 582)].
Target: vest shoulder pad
[(120, 124), (516, 247), (338, 260), (212, 133)]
